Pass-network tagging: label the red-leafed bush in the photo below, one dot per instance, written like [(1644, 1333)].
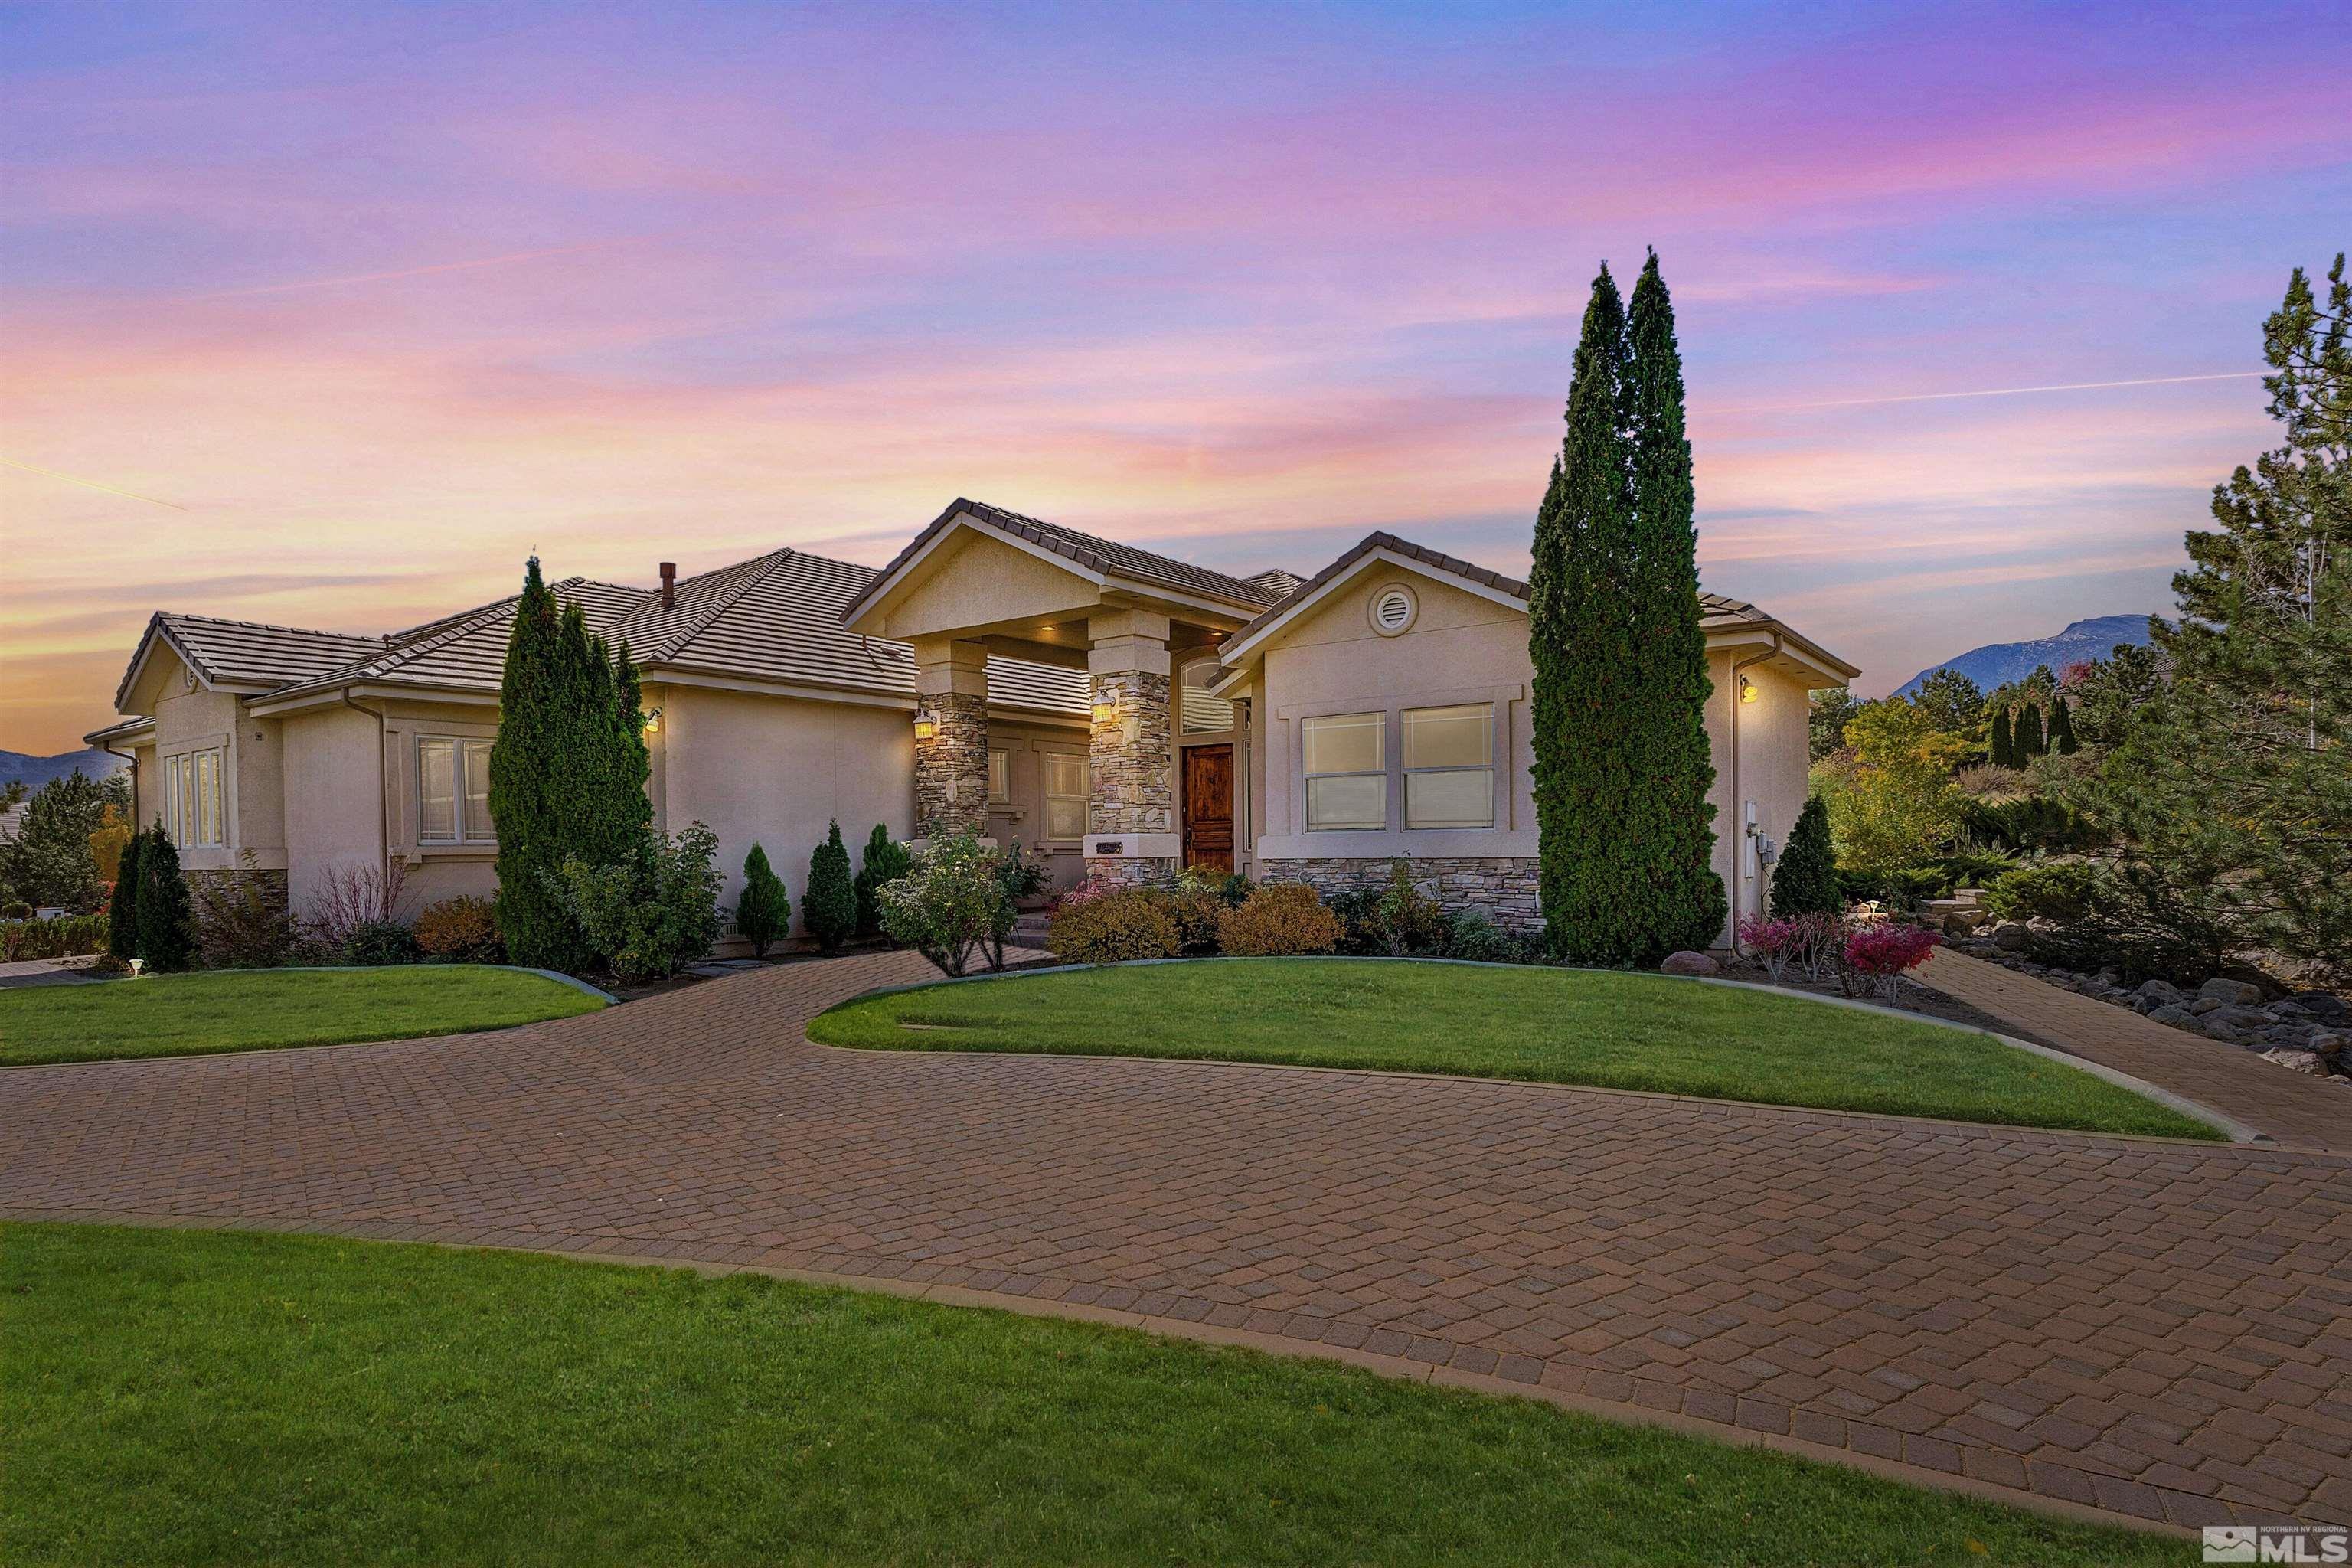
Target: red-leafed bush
[(1886, 952)]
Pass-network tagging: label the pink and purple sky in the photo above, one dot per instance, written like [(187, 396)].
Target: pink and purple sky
[(328, 316)]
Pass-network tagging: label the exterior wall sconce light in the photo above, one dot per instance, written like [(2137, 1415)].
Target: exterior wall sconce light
[(1747, 691), (927, 724), (653, 722), (1106, 708)]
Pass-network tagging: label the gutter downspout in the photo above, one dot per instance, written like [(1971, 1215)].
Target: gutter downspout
[(383, 778), (1738, 805), (132, 758)]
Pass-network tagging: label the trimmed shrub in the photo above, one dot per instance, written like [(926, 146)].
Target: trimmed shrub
[(1280, 919), (242, 923), (950, 905), (651, 914), (374, 943), (829, 906), (1115, 926), (69, 936), (885, 860), (765, 910), (461, 931), (2063, 891), (1196, 910), (1357, 910), (122, 904), (167, 936), (1472, 933), (1805, 881)]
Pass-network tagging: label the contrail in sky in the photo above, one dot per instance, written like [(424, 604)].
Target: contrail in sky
[(1990, 392), (90, 484)]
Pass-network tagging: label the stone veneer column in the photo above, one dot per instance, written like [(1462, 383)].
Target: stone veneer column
[(1132, 817), (951, 767)]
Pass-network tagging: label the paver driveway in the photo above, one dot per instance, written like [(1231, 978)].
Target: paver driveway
[(2164, 1329)]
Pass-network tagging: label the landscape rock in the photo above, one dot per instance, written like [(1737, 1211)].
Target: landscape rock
[(2248, 1020), (2160, 991), (2178, 1017), (2010, 937), (1687, 962), (2235, 991), (2327, 1044), (2204, 1004), (1959, 925), (2320, 1005), (2297, 1061)]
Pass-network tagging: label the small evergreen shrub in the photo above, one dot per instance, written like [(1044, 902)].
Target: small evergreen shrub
[(829, 906), (1196, 907), (1472, 933), (1357, 910), (122, 904), (2062, 890), (1117, 925), (374, 943), (461, 931), (1406, 920), (648, 916), (950, 905), (69, 936), (167, 933), (1805, 880), (1279, 919), (885, 860), (765, 910)]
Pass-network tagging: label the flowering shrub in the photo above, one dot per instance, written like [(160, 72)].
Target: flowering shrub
[(1278, 920), (1112, 926), (951, 905), (1886, 952)]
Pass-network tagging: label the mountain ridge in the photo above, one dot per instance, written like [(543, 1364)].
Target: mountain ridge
[(1996, 664), (35, 772)]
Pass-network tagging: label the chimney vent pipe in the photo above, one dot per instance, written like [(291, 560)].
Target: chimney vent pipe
[(669, 585)]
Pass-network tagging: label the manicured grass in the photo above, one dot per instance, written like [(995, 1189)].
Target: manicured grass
[(1556, 1026), (202, 1397), (243, 1010)]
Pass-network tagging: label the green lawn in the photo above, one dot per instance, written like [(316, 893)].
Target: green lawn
[(1556, 1026), (243, 1010), (202, 1397)]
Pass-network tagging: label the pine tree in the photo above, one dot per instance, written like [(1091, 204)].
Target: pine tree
[(1805, 881), (534, 777), (2026, 738), (123, 906), (884, 861), (829, 907), (1580, 642), (1672, 895), (2004, 745), (765, 909), (167, 926), (2062, 728)]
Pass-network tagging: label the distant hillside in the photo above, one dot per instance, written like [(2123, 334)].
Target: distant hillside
[(1999, 663), (38, 771)]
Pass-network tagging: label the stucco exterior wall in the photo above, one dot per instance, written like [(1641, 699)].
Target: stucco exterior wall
[(252, 790), (333, 815), (974, 580), (1773, 773), (1021, 814), (1460, 648), (776, 771)]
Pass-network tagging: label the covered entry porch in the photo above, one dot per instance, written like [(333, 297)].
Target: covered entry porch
[(1165, 763)]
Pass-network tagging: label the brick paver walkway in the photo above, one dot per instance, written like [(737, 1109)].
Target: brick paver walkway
[(2159, 1329), (2293, 1109)]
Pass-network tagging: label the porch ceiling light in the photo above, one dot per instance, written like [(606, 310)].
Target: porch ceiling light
[(927, 724)]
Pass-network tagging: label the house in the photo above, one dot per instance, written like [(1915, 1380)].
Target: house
[(1122, 712)]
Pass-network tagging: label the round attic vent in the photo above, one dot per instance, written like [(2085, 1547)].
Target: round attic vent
[(1392, 609)]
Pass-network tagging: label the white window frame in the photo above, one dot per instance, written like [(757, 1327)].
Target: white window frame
[(1306, 777), (196, 785), (469, 833), (1000, 776), (1407, 773), (1048, 795)]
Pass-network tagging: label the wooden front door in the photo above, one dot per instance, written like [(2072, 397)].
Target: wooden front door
[(1209, 808)]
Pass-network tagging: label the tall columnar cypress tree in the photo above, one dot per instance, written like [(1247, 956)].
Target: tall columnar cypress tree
[(534, 771), (2062, 728), (1805, 881), (632, 763), (123, 907), (2026, 739), (2004, 747), (1580, 641), (1673, 897)]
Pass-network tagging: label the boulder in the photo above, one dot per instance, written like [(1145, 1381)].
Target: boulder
[(2327, 1044), (2320, 1005), (2204, 1004), (2010, 937), (2246, 1020), (2162, 993), (2232, 991), (1958, 924), (1688, 962), (2178, 1017), (2297, 1061)]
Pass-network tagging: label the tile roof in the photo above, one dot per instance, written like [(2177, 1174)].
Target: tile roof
[(247, 653), (1104, 555)]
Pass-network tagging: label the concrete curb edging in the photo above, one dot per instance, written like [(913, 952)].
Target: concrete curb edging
[(2236, 1132)]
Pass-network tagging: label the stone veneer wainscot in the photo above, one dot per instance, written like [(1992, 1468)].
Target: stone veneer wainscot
[(1504, 886)]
